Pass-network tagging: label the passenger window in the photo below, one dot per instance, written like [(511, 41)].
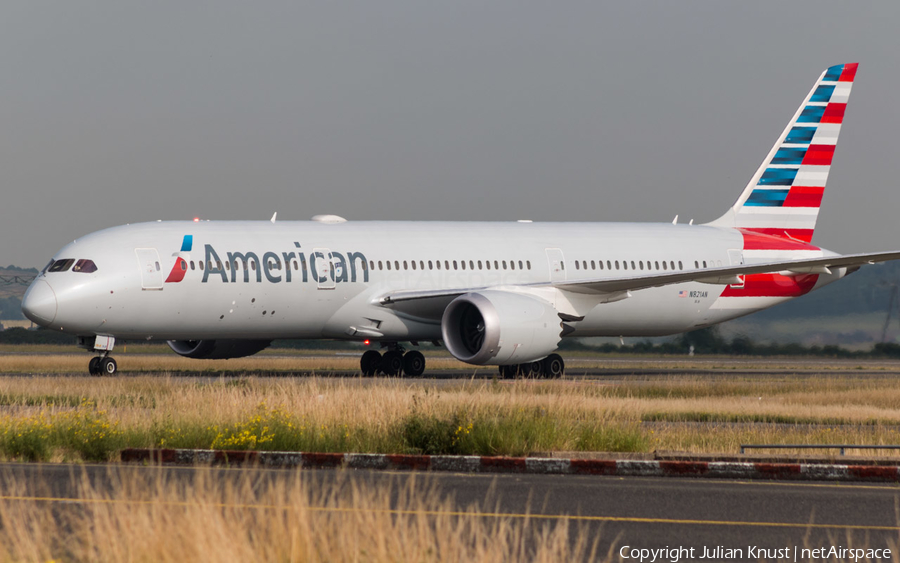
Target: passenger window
[(520, 264), (379, 265), (528, 263), (656, 265), (446, 264), (463, 264), (672, 264), (704, 263), (192, 264), (624, 264), (413, 264), (454, 265), (388, 264), (371, 265), (601, 263), (396, 264), (253, 265), (157, 266), (608, 265), (438, 264), (696, 265), (593, 265), (471, 265), (504, 264), (512, 264), (479, 264), (430, 266), (228, 265), (664, 264), (488, 264), (576, 264), (200, 264), (680, 267), (405, 266), (496, 265), (632, 265), (641, 264), (183, 266), (617, 264)]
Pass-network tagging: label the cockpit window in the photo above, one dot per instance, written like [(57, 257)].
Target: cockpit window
[(85, 266), (61, 265), (47, 267)]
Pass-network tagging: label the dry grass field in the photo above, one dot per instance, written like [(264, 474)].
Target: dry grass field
[(143, 516), (73, 417)]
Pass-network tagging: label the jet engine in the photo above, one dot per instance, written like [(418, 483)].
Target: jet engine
[(498, 327), (217, 349)]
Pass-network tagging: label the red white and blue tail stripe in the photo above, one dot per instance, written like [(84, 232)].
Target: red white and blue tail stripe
[(783, 197)]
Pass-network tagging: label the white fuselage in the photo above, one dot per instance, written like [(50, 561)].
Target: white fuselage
[(293, 290)]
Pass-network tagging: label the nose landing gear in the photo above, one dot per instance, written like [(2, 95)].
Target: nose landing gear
[(102, 364)]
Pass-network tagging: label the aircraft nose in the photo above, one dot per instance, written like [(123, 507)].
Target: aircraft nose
[(39, 303)]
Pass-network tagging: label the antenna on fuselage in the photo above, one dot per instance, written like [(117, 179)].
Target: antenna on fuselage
[(273, 217), (675, 220)]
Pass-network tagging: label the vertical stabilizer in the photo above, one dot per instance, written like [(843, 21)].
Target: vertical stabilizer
[(783, 197)]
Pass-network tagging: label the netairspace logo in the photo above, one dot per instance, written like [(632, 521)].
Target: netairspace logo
[(751, 552)]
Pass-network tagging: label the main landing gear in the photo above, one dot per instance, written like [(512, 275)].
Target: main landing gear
[(392, 362), (551, 367), (103, 364)]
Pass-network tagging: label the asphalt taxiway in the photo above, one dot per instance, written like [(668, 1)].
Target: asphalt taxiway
[(640, 512)]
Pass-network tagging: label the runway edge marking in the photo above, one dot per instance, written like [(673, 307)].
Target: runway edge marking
[(530, 465)]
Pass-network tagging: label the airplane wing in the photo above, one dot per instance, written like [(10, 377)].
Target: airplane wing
[(723, 275)]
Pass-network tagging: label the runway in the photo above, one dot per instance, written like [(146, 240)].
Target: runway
[(637, 512)]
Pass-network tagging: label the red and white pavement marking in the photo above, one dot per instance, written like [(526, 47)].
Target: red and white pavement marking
[(535, 465)]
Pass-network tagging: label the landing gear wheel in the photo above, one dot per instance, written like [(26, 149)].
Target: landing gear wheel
[(94, 366), (370, 363), (533, 369), (108, 366), (413, 363), (553, 366), (509, 372), (392, 362)]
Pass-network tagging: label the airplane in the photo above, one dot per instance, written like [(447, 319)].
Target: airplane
[(493, 293)]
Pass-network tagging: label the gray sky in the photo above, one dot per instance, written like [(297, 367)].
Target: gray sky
[(122, 112)]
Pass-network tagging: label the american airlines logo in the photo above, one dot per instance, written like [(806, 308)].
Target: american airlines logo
[(319, 266)]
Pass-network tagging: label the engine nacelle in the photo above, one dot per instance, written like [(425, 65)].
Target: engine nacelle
[(499, 328), (217, 349)]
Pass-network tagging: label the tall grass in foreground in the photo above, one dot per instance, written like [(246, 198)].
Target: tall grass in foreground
[(82, 418), (150, 516)]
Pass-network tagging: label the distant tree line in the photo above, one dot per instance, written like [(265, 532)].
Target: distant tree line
[(708, 341), (11, 308), (12, 268), (705, 342)]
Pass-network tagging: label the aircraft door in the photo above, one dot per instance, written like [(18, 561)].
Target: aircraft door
[(151, 271), (323, 268), (557, 264), (736, 258)]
